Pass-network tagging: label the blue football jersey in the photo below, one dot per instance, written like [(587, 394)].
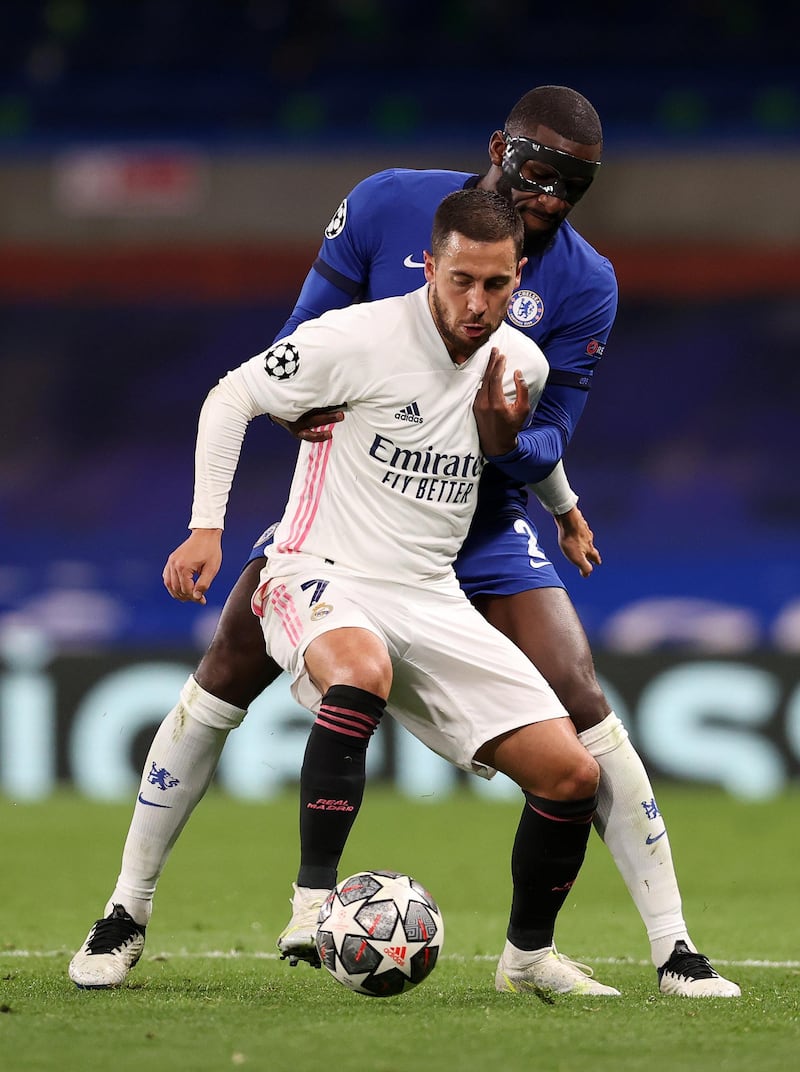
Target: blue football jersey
[(566, 302)]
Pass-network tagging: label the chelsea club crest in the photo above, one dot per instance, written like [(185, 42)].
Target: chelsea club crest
[(525, 309)]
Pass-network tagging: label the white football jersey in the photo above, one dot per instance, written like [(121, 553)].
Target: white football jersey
[(393, 492)]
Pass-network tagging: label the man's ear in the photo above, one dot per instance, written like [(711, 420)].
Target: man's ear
[(430, 266), (497, 146)]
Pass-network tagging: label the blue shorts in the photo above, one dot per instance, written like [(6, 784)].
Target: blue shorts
[(502, 557), (499, 558), (261, 545)]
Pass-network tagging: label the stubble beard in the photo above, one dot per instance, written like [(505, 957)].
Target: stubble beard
[(457, 347)]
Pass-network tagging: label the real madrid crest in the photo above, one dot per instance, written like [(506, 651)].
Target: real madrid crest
[(525, 309), (321, 610)]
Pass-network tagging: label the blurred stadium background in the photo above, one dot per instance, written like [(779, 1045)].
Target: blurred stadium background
[(166, 170)]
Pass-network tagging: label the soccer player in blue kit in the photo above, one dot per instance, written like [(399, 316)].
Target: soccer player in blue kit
[(544, 160)]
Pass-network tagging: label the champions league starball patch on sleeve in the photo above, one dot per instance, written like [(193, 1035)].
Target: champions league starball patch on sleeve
[(282, 361), (338, 220)]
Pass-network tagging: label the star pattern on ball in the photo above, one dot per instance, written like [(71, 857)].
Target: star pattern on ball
[(380, 933), (397, 952)]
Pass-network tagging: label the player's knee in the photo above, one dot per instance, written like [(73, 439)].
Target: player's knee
[(584, 778), (350, 656), (370, 675), (577, 778)]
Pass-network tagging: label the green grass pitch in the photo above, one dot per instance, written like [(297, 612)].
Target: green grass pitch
[(210, 993)]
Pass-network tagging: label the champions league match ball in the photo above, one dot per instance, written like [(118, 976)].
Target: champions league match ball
[(380, 933)]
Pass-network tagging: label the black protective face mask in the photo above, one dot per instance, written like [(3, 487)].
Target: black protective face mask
[(572, 177)]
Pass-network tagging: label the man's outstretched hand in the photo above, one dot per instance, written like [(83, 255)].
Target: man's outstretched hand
[(576, 541), (192, 567)]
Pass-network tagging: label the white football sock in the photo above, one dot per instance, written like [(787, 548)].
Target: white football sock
[(178, 769), (630, 824)]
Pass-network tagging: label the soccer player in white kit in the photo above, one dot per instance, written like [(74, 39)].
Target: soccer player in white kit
[(358, 599)]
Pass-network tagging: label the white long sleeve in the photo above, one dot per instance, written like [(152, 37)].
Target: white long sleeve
[(224, 418)]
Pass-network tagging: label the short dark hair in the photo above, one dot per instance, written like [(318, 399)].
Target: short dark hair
[(481, 215), (564, 110)]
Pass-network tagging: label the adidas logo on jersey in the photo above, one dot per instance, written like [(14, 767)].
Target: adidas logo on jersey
[(409, 413)]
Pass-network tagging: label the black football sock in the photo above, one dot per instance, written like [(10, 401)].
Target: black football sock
[(548, 851), (332, 780)]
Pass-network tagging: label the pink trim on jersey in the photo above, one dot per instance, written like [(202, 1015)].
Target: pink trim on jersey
[(301, 522), (283, 605)]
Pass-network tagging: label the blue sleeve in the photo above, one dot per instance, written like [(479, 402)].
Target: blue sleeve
[(584, 321), (573, 351), (541, 445), (340, 273), (321, 291)]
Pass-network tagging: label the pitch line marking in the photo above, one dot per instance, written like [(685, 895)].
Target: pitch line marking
[(235, 954)]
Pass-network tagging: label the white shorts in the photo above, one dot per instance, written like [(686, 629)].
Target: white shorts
[(458, 682)]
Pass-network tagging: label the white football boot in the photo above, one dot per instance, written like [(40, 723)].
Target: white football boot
[(297, 940), (690, 975), (112, 947), (545, 972)]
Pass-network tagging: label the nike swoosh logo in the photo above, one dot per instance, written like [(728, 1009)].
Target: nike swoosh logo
[(152, 804), (409, 262), (653, 837), (538, 565)]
